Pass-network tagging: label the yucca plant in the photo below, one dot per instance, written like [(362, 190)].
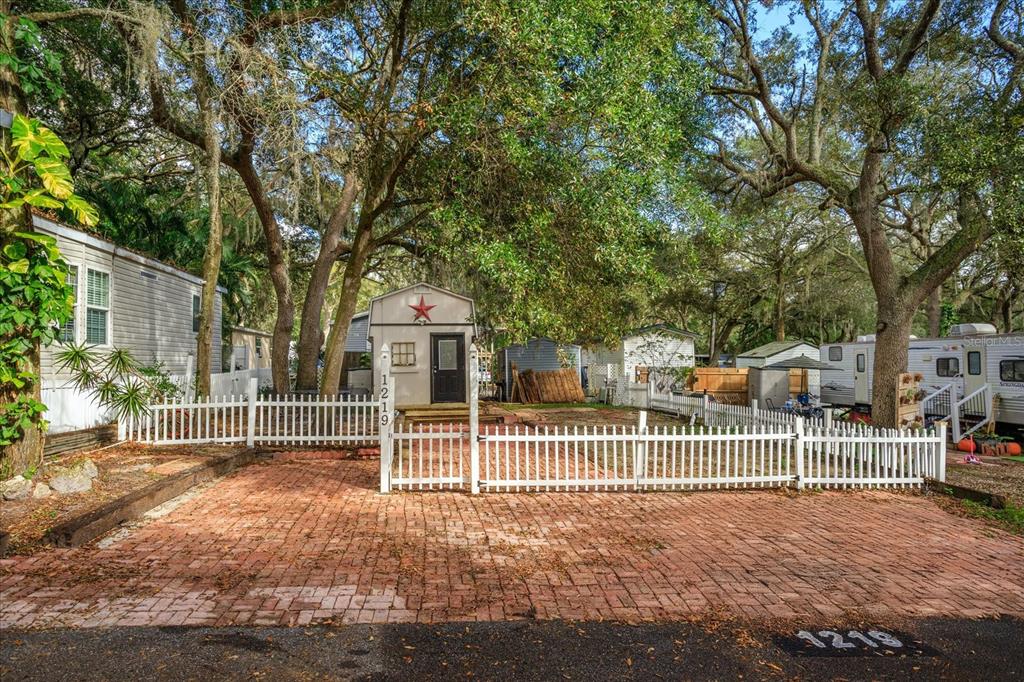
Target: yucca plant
[(116, 379)]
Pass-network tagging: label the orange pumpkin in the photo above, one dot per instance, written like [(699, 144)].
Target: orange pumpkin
[(966, 445), (1013, 449)]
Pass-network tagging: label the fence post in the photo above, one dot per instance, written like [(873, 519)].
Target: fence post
[(940, 465), (474, 418), (386, 418), (798, 426), (650, 390), (250, 433), (189, 379), (705, 404), (640, 451), (753, 407)]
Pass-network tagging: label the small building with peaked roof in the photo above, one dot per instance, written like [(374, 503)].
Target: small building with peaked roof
[(776, 351), (428, 331), (654, 347)]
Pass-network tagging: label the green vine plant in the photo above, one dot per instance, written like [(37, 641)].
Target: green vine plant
[(116, 380), (35, 298)]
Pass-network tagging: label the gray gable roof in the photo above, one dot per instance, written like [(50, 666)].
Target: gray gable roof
[(773, 348)]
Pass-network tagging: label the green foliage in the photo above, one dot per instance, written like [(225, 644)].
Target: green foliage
[(33, 300), (947, 317), (34, 296), (116, 379), (1011, 517), (35, 150), (37, 68)]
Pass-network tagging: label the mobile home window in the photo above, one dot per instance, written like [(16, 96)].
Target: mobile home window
[(1011, 370), (97, 307), (861, 364), (67, 330), (947, 367), (835, 354), (974, 362), (196, 306), (403, 354)]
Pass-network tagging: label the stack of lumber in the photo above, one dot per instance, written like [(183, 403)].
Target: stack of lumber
[(557, 386)]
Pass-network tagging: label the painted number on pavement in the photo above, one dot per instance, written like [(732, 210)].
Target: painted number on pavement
[(842, 642)]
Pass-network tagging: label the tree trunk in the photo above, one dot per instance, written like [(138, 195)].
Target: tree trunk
[(780, 309), (933, 309), (350, 284), (279, 353), (895, 318), (215, 239), (310, 333)]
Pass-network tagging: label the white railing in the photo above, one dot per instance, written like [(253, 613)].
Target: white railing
[(259, 420), (939, 404), (977, 407)]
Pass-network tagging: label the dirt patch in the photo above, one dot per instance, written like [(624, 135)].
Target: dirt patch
[(994, 475), (123, 469)]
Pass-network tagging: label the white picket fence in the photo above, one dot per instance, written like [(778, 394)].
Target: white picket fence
[(720, 414), (583, 458), (272, 420), (732, 447)]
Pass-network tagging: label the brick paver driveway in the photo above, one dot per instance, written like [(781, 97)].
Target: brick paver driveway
[(307, 541)]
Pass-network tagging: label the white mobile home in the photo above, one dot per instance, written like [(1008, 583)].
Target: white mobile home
[(971, 357), (429, 331), (657, 346), (122, 300)]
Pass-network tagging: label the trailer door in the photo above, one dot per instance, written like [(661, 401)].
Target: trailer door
[(860, 378), (974, 368)]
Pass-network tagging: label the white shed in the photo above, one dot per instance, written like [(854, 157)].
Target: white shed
[(429, 331), (658, 346)]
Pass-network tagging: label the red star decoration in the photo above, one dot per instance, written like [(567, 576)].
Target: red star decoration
[(422, 310)]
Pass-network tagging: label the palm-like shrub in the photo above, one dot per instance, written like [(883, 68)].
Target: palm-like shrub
[(116, 379)]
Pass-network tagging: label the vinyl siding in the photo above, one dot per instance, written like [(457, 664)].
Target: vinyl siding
[(540, 355), (357, 340), (151, 316)]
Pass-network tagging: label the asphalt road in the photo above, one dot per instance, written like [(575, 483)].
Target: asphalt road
[(522, 650)]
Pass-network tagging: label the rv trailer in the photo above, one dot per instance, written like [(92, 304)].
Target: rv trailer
[(961, 364)]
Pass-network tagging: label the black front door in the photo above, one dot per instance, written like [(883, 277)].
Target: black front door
[(447, 368)]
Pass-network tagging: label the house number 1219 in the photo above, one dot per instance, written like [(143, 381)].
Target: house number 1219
[(836, 640)]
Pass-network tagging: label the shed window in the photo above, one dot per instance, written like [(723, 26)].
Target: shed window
[(259, 348), (196, 307), (97, 307), (835, 353), (403, 354), (1011, 370), (947, 367), (67, 330), (974, 362)]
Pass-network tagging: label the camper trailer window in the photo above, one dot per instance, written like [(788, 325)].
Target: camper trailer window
[(835, 354), (1011, 370), (974, 362), (947, 367), (404, 354), (861, 364)]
